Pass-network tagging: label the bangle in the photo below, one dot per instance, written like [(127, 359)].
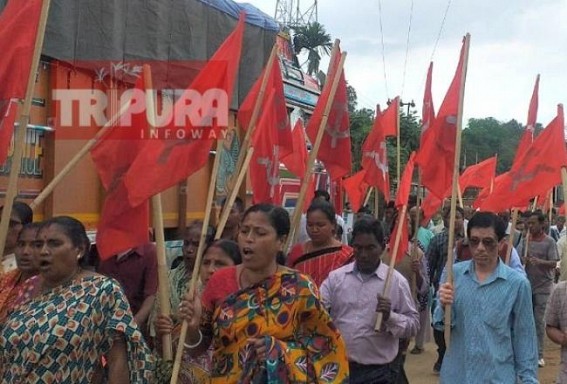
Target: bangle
[(191, 346)]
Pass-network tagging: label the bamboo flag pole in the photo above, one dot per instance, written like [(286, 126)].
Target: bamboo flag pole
[(416, 228), (376, 205), (230, 201), (368, 194), (460, 195), (20, 136), (157, 218), (456, 166), (550, 213), (313, 154), (198, 258), (79, 156), (398, 239), (511, 235)]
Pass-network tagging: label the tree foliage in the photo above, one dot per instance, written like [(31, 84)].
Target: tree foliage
[(316, 41)]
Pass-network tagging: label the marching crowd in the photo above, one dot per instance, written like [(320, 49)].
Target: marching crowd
[(261, 314)]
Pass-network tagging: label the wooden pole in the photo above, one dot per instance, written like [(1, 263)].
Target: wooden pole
[(398, 152), (416, 228), (564, 183), (79, 156), (376, 203), (550, 213), (157, 218), (460, 195), (230, 201), (20, 134), (313, 154), (198, 258), (456, 166), (368, 194), (398, 239), (511, 235)]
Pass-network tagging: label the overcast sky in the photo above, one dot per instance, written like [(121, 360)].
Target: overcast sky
[(511, 42)]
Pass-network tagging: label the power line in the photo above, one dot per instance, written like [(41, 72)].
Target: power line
[(383, 54), (440, 29), (407, 50)]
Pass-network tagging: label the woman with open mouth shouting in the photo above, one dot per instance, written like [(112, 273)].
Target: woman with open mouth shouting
[(265, 321), (71, 320)]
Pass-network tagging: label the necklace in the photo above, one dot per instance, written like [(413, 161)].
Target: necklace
[(45, 288)]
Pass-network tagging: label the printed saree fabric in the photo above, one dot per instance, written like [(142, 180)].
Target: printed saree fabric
[(61, 335), (303, 344), (8, 291), (320, 263)]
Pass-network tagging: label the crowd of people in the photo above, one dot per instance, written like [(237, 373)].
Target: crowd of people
[(316, 312)]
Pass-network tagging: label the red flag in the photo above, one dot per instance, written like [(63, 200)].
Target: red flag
[(391, 118), (430, 205), (402, 200), (335, 150), (18, 28), (356, 189), (486, 191), (163, 163), (296, 161), (528, 137), (536, 172), (375, 158), (427, 111), (437, 155), (478, 175), (274, 84), (265, 163), (121, 226)]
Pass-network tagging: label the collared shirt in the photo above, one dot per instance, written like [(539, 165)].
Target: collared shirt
[(493, 337), (351, 300), (136, 272), (556, 317)]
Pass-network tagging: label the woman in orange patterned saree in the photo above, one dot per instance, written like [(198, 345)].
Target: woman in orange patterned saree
[(265, 321)]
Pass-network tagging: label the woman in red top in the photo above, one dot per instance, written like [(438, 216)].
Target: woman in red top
[(323, 253)]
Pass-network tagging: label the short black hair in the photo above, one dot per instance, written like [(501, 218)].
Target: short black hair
[(539, 214), (364, 209), (278, 217), (487, 220), (198, 226), (229, 247), (238, 204), (23, 211), (322, 193), (73, 229), (459, 209), (370, 227)]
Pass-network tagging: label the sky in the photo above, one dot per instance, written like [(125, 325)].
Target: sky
[(511, 42)]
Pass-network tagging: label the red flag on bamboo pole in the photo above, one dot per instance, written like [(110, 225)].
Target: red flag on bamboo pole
[(265, 164), (391, 118), (275, 85), (375, 157), (121, 226), (401, 200), (536, 171), (296, 161), (356, 188), (18, 28), (437, 154), (163, 163), (478, 175), (335, 149), (528, 137)]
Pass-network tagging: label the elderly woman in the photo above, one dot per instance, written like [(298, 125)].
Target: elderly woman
[(72, 319), (323, 253), (265, 321)]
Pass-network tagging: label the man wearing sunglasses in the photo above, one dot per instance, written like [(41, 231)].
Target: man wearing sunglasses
[(493, 338)]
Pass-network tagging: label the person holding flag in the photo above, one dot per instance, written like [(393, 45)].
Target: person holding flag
[(353, 296), (493, 337)]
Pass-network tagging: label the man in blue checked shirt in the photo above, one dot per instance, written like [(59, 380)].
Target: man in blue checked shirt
[(493, 337)]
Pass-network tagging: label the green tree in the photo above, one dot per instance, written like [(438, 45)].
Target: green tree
[(316, 41)]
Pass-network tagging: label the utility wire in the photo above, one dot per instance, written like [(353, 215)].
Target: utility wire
[(440, 30), (383, 54), (407, 50)]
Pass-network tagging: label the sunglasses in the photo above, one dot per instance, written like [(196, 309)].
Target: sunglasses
[(487, 242)]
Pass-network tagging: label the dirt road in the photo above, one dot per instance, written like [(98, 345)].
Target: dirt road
[(419, 368)]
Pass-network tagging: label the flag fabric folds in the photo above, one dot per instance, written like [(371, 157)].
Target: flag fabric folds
[(375, 157), (536, 171), (356, 189), (265, 162), (296, 161), (436, 157), (391, 118), (335, 149), (121, 226), (427, 111), (18, 29), (163, 162), (275, 86)]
